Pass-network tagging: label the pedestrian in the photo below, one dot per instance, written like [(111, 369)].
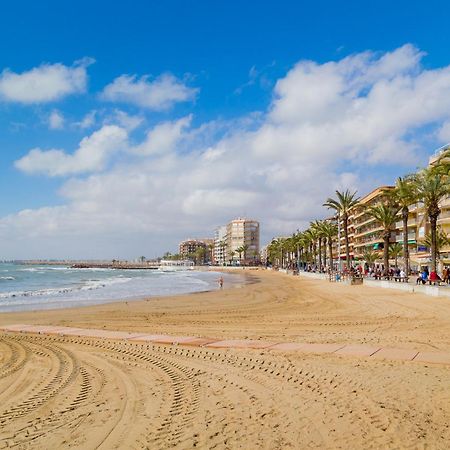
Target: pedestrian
[(220, 281)]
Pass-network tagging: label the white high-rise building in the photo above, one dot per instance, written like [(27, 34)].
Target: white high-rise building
[(220, 245)]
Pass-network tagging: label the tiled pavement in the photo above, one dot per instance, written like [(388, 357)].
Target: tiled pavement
[(359, 350)]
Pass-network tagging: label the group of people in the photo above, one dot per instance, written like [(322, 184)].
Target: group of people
[(396, 274), (433, 277), (379, 273)]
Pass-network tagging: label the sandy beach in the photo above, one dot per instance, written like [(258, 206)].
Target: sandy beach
[(71, 392)]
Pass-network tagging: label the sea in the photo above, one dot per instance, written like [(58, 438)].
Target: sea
[(38, 287)]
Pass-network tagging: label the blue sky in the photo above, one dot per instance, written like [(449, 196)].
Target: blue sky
[(220, 90)]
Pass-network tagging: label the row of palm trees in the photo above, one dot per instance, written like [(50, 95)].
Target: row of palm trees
[(428, 187), (242, 250)]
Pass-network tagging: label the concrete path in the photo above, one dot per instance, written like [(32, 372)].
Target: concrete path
[(367, 351)]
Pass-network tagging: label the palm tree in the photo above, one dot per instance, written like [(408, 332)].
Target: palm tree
[(223, 245), (239, 251), (404, 195), (232, 257), (311, 239), (395, 250), (369, 256), (386, 215), (302, 243), (199, 255), (344, 202), (275, 251), (210, 256), (316, 229), (442, 240), (442, 164), (244, 251), (432, 187), (330, 231)]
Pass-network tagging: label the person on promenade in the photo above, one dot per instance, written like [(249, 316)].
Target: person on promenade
[(220, 281), (434, 277), (423, 277), (445, 275)]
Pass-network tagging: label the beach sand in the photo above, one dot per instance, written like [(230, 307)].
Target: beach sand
[(71, 392)]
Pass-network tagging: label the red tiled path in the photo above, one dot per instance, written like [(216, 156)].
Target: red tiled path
[(360, 350)]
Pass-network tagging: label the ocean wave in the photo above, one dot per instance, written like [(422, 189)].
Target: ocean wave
[(7, 278), (52, 292)]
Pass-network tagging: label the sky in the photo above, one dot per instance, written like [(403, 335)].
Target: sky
[(126, 127)]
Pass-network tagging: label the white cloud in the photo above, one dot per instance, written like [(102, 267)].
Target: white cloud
[(163, 137), (332, 125), (128, 121), (87, 121), (56, 120), (91, 155), (159, 94), (46, 83)]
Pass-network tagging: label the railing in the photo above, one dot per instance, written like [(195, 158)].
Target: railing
[(411, 236), (411, 222)]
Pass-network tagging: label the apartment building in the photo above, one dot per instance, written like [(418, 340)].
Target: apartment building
[(242, 233), (220, 245), (444, 217), (366, 233), (190, 247)]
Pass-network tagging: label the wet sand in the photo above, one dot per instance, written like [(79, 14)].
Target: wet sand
[(71, 392)]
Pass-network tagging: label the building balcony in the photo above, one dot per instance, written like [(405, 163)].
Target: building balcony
[(363, 221), (411, 223), (411, 238), (370, 230)]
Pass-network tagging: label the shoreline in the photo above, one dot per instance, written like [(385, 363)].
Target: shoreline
[(55, 303), (269, 306)]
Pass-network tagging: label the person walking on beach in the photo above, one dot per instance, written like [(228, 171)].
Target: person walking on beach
[(220, 281)]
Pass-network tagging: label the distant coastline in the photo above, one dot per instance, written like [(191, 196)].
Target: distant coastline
[(91, 264)]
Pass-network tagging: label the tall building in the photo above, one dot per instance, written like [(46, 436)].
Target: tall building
[(366, 233), (220, 245), (444, 217), (365, 230), (242, 233)]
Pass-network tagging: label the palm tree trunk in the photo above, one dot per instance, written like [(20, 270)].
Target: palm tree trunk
[(405, 214), (325, 252), (330, 252), (386, 238), (347, 249), (433, 224), (320, 253)]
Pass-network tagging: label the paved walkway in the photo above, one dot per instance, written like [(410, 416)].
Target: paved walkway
[(368, 351)]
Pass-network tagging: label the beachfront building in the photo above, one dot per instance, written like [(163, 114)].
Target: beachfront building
[(242, 239), (444, 217), (220, 245), (366, 231), (196, 249)]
